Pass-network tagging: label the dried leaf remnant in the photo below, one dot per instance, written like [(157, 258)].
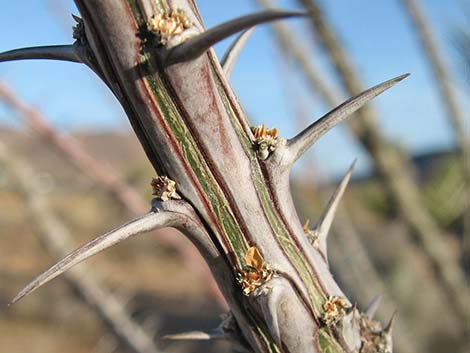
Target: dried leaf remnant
[(164, 188), (312, 234), (266, 140), (168, 24), (255, 273), (78, 29), (334, 310)]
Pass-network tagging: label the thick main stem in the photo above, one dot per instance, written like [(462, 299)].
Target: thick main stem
[(231, 180), (193, 131)]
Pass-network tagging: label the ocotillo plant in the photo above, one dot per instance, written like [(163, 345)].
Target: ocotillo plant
[(220, 181)]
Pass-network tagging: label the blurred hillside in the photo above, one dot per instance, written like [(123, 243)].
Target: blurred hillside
[(158, 290), (148, 277)]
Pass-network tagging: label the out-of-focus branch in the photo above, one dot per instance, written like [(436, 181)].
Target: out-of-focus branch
[(396, 171), (392, 165), (297, 51), (342, 224), (108, 178), (441, 73), (69, 147), (58, 241), (461, 38), (443, 80), (362, 278)]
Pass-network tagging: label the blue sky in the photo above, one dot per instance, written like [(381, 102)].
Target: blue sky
[(376, 34)]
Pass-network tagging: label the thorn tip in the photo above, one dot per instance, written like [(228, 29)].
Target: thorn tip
[(139, 225), (388, 329), (373, 306), (299, 144)]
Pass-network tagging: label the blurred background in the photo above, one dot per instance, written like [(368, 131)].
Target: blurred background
[(71, 169)]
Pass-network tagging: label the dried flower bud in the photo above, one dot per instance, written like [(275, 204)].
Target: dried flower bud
[(78, 30), (164, 188), (334, 310), (255, 273), (168, 24), (312, 235), (266, 140)]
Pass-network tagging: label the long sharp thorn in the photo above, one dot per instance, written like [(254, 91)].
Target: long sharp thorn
[(326, 220), (53, 52), (389, 328), (231, 55), (387, 334), (139, 225), (198, 45), (199, 336), (374, 306), (305, 139)]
